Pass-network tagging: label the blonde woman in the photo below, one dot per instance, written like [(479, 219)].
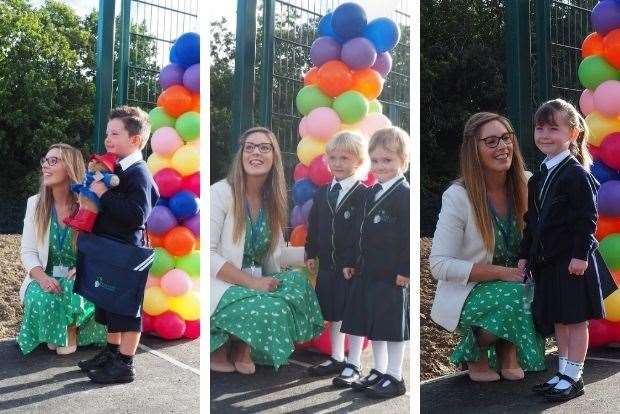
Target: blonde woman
[(53, 314), (251, 299), (475, 252)]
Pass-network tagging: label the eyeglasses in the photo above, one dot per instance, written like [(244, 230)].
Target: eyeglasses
[(493, 141), (51, 161), (263, 148)]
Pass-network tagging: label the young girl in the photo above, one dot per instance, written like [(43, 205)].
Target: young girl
[(558, 245), (330, 229), (378, 304)]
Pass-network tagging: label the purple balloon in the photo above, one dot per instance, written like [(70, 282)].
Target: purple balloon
[(193, 223), (605, 17), (191, 78), (305, 209), (323, 50), (161, 220), (171, 75), (609, 198), (383, 64), (359, 53), (297, 218)]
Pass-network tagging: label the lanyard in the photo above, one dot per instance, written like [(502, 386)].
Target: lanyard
[(62, 236), (253, 230)]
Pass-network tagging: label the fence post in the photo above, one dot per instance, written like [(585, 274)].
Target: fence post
[(123, 71), (543, 50), (518, 76), (105, 71), (243, 79), (265, 104)]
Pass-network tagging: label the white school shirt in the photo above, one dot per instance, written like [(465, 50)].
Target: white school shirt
[(130, 160), (387, 185), (345, 185)]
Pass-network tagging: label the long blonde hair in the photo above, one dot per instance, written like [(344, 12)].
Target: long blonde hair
[(472, 176), (274, 195), (74, 164)]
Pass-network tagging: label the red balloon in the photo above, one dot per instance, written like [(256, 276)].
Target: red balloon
[(192, 184), (611, 48), (192, 329), (169, 326), (334, 78), (600, 333), (147, 322), (609, 151), (168, 182), (319, 171), (606, 226), (592, 45), (594, 151), (301, 172), (370, 180), (311, 77)]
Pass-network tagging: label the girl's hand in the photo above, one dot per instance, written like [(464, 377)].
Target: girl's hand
[(311, 265), (512, 274), (577, 267), (402, 281), (49, 284), (265, 284), (521, 264), (71, 274), (348, 272)]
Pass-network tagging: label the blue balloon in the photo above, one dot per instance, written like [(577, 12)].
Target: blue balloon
[(162, 202), (325, 28), (184, 205), (303, 190), (187, 49), (383, 33), (603, 173), (348, 20)]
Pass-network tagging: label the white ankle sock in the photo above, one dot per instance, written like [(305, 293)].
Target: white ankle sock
[(337, 341), (380, 356), (396, 353), (561, 367), (573, 370), (355, 353)]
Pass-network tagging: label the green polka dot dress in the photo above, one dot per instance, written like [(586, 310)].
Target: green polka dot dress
[(47, 315), (270, 322), (499, 307)]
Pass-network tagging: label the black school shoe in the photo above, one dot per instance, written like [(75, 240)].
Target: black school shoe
[(116, 371), (322, 370), (345, 381), (393, 389), (541, 389), (98, 361), (364, 383), (575, 390)]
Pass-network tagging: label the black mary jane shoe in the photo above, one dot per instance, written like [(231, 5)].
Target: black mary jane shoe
[(363, 383), (345, 381), (575, 390), (541, 389), (388, 387), (319, 370)]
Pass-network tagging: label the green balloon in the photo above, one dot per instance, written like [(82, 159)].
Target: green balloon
[(595, 70), (190, 263), (351, 106), (375, 106), (610, 250), (159, 118), (311, 97), (188, 126), (162, 264)]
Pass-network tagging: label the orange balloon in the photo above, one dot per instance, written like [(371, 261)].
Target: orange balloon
[(311, 77), (606, 226), (616, 276), (195, 102), (179, 241), (611, 48), (592, 45), (369, 82), (155, 240), (298, 236), (334, 78), (176, 100)]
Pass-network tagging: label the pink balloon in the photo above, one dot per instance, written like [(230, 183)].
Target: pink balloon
[(192, 329), (301, 172), (606, 98), (195, 283), (192, 183), (169, 325), (372, 123), (152, 281), (147, 322), (166, 141), (322, 123), (168, 182), (370, 180), (319, 171), (302, 130), (609, 151), (586, 102), (175, 283)]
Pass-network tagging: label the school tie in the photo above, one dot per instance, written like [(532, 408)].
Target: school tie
[(374, 190), (333, 194), (543, 177)]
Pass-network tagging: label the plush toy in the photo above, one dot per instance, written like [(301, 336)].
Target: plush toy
[(100, 168)]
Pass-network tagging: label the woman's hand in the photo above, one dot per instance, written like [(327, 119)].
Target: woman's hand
[(402, 281), (348, 272), (512, 274), (265, 284), (49, 284), (311, 265), (522, 264), (71, 274), (577, 267)]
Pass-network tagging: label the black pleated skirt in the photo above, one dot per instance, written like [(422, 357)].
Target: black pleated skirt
[(332, 290)]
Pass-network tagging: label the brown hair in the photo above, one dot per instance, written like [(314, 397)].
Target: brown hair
[(394, 140), (472, 176), (546, 114), (135, 120), (274, 191)]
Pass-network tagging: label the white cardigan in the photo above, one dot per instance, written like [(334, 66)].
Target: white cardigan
[(33, 254), (224, 249)]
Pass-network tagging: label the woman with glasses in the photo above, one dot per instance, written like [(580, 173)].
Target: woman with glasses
[(480, 290), (53, 314), (258, 311)]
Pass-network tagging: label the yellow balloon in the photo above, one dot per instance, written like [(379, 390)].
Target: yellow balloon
[(612, 307), (308, 149), (600, 126), (187, 306), (186, 160), (156, 162), (155, 301)]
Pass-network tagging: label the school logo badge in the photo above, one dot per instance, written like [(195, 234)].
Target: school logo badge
[(347, 215), (377, 219)]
